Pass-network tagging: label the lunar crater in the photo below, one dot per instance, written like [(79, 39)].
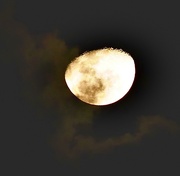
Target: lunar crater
[(90, 87)]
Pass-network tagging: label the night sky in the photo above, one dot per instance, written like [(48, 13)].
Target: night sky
[(47, 130)]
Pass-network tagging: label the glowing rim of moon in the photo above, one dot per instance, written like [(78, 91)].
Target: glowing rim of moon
[(101, 77)]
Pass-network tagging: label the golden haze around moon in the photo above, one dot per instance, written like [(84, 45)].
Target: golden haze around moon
[(101, 77)]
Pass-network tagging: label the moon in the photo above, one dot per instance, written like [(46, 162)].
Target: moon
[(101, 77)]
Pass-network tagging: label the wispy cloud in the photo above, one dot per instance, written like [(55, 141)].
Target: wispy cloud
[(71, 144)]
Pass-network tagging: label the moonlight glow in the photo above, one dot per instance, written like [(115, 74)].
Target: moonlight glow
[(101, 77)]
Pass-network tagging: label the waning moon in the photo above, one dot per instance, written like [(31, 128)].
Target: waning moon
[(101, 77)]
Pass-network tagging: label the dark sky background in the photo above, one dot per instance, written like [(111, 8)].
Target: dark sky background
[(48, 131)]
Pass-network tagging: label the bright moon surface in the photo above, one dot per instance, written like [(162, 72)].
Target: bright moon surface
[(101, 77)]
